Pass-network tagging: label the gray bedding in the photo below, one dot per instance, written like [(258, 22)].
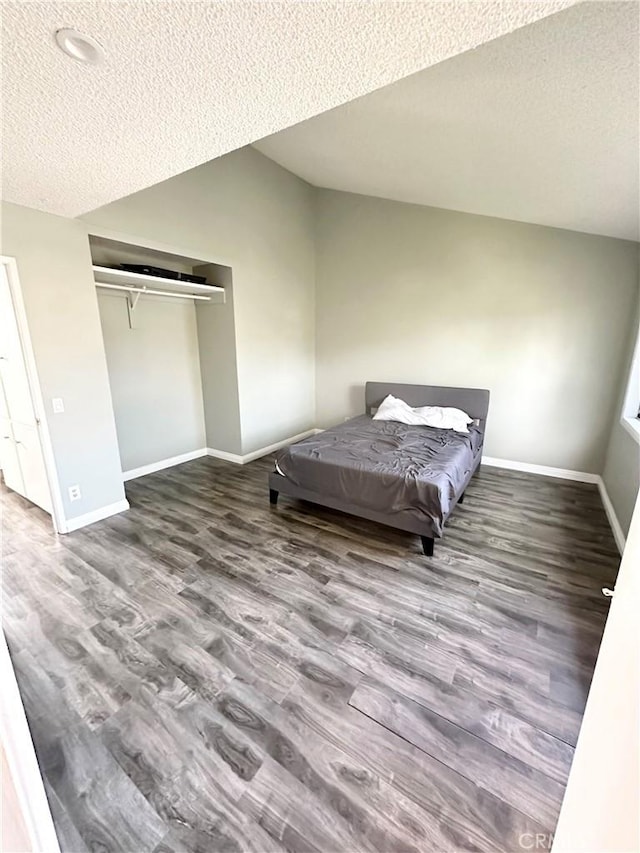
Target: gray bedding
[(386, 467)]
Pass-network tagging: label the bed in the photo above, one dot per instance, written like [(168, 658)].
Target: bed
[(407, 477)]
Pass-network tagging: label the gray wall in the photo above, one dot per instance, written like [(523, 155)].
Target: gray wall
[(248, 213), (54, 266), (621, 473), (154, 374), (538, 315), (218, 364)]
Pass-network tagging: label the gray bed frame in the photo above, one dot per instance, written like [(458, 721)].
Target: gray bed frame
[(474, 401)]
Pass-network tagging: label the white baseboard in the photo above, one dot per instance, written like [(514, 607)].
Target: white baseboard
[(226, 457), (567, 474), (618, 535), (237, 459), (263, 451), (163, 463), (543, 470), (79, 521)]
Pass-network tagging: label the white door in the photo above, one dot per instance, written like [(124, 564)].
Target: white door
[(20, 449), (9, 461)]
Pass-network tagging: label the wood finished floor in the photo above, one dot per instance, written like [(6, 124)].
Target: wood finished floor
[(209, 673)]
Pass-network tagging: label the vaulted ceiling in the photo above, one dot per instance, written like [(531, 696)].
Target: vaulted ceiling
[(540, 125), (185, 82)]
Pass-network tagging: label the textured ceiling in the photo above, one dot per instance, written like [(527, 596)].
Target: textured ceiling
[(188, 81), (538, 126)]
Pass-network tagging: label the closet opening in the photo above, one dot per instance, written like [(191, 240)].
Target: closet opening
[(168, 331)]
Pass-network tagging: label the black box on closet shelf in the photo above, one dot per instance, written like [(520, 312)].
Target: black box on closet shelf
[(160, 272), (193, 279), (145, 269)]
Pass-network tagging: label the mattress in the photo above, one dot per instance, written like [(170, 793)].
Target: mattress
[(386, 467)]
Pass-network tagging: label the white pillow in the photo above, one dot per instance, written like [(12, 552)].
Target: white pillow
[(394, 409)]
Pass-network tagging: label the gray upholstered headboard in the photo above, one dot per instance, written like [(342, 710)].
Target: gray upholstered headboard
[(473, 401)]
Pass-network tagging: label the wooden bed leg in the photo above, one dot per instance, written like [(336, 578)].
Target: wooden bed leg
[(461, 498), (427, 545), (273, 496)]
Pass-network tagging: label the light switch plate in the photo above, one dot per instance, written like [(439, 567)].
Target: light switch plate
[(58, 405)]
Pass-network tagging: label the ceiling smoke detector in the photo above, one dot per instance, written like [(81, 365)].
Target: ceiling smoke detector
[(79, 46)]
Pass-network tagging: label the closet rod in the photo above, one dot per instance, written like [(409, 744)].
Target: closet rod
[(141, 291)]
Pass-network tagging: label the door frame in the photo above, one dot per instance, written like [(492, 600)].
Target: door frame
[(15, 738), (57, 507)]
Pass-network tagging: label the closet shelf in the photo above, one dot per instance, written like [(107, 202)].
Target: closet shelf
[(106, 275)]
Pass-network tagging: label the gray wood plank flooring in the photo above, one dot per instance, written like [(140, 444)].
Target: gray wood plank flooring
[(207, 672)]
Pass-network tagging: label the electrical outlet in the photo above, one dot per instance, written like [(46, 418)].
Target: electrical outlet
[(58, 405), (74, 493)]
